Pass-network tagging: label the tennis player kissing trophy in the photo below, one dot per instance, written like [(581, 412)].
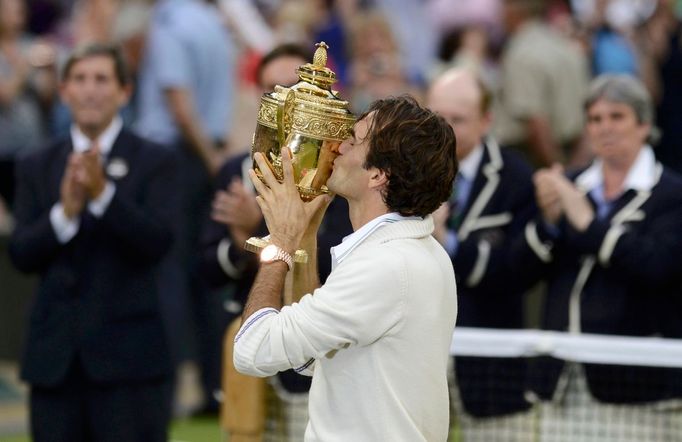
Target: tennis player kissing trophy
[(310, 119)]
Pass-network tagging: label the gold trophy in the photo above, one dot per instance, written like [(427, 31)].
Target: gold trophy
[(310, 119)]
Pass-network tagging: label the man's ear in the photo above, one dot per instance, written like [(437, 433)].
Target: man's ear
[(63, 94), (377, 178), (126, 93)]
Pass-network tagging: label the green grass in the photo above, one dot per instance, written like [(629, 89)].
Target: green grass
[(14, 438), (200, 429)]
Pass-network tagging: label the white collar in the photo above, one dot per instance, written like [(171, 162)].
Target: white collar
[(350, 242), (468, 167), (642, 176), (81, 142)]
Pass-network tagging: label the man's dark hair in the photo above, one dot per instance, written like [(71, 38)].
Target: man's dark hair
[(283, 50), (416, 149), (95, 50)]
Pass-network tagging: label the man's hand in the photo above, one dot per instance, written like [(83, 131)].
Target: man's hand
[(181, 105), (236, 207), (215, 158), (286, 216), (90, 173), (238, 210), (72, 193)]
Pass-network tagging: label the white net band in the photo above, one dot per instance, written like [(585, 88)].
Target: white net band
[(588, 348)]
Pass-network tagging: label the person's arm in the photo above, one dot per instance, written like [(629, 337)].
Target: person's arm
[(289, 221), (338, 315), (12, 86), (641, 243), (181, 107), (235, 217), (40, 231), (533, 250), (644, 255), (267, 289), (306, 277), (543, 147), (525, 87), (172, 64)]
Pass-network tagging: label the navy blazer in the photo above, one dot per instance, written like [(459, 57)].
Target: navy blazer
[(97, 298), (625, 276), (245, 263), (498, 207)]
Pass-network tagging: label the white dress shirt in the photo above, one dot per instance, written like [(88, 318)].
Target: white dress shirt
[(66, 228)]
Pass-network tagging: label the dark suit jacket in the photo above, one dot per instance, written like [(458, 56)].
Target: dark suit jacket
[(335, 226), (245, 263), (97, 298), (631, 285), (498, 207)]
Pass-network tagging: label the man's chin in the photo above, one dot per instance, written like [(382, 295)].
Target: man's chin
[(330, 183), (91, 124)]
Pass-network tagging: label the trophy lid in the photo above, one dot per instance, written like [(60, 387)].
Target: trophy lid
[(317, 72), (310, 107)]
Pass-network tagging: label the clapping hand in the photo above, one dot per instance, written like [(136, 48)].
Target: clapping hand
[(547, 194), (237, 208), (90, 173), (72, 192), (557, 195)]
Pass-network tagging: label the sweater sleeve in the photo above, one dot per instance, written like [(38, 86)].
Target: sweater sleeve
[(363, 300)]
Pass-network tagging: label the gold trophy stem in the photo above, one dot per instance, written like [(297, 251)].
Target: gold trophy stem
[(255, 245)]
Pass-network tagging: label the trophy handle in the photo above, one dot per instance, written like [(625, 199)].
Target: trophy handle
[(285, 115)]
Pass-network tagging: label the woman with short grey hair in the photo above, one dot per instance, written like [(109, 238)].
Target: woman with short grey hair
[(610, 238), (622, 88)]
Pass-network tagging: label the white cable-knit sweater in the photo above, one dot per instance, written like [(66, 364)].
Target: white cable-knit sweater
[(377, 335)]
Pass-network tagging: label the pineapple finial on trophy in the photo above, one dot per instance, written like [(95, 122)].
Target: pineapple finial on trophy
[(320, 57)]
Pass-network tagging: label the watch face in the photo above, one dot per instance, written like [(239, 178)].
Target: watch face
[(268, 253)]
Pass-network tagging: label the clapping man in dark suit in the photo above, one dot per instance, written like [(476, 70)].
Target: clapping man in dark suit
[(93, 213), (490, 205)]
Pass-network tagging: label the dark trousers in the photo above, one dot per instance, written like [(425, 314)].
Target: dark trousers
[(80, 410)]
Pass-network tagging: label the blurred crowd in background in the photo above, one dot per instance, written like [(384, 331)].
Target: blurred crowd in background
[(378, 48)]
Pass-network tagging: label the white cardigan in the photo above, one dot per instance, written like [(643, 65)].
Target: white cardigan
[(378, 331)]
